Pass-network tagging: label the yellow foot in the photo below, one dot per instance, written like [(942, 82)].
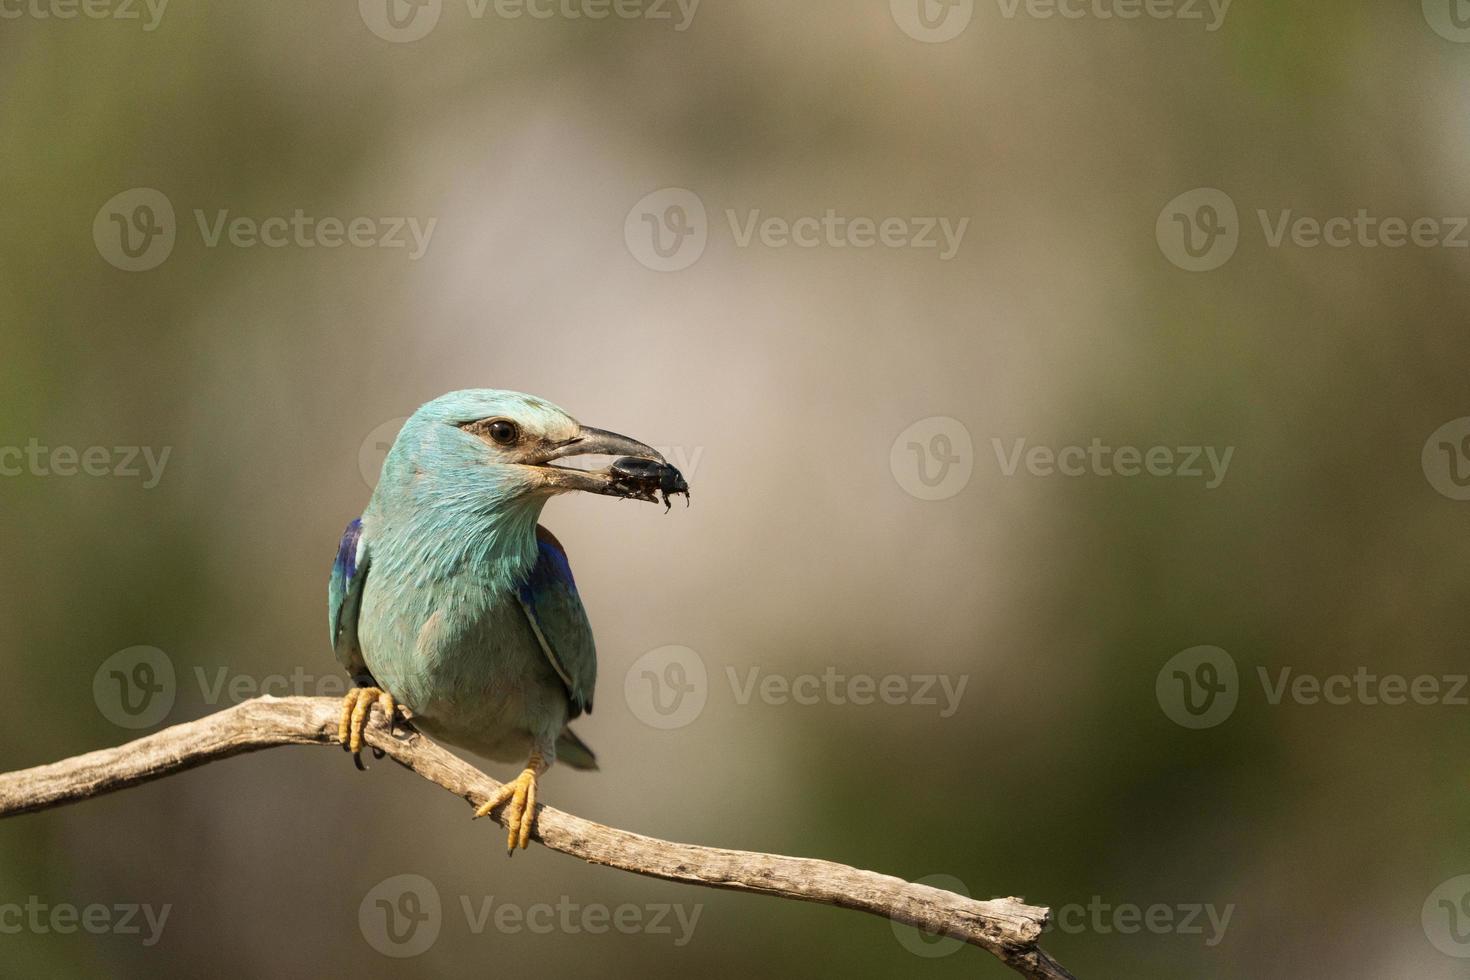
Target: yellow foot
[(355, 708), (521, 814)]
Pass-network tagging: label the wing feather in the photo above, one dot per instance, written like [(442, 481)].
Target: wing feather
[(344, 601), (554, 610)]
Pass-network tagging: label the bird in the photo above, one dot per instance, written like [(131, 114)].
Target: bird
[(451, 605)]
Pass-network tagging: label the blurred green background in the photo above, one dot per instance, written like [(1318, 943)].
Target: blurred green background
[(781, 378)]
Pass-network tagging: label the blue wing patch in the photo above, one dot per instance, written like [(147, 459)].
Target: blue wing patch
[(549, 597), (344, 600), (346, 563)]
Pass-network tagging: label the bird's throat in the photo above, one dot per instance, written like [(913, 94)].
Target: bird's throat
[(457, 540)]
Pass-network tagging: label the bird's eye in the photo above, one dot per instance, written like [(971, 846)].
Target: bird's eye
[(503, 432)]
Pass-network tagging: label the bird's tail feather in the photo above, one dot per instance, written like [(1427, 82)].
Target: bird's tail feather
[(574, 752)]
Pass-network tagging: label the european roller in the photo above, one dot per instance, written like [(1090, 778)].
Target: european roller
[(449, 600)]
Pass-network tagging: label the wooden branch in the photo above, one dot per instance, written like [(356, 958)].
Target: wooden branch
[(1005, 927)]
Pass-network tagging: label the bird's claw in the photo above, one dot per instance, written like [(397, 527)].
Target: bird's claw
[(355, 708), (520, 814)]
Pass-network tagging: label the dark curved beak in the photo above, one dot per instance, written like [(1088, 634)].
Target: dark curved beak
[(600, 442), (640, 472)]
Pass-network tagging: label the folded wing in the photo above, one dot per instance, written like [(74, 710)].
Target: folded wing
[(344, 601), (549, 597)]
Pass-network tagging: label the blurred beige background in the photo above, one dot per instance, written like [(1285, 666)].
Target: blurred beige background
[(786, 380)]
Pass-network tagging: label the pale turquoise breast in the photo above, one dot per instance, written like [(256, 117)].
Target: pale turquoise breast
[(463, 659)]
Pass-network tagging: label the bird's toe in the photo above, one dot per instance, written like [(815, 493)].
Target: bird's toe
[(356, 706), (519, 798)]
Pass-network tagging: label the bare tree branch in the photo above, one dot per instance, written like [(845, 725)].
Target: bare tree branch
[(1005, 927)]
